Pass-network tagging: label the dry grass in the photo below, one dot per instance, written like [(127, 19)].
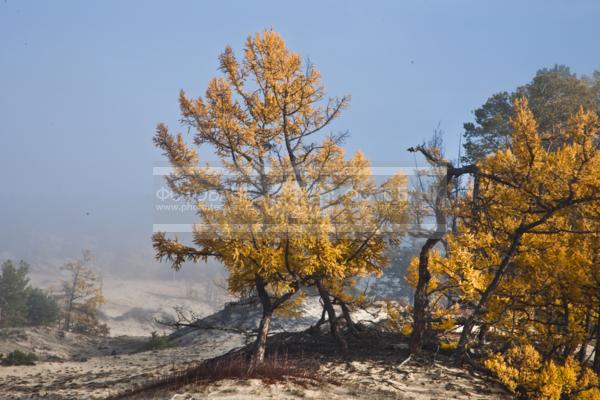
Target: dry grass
[(275, 367), (289, 356), (236, 366)]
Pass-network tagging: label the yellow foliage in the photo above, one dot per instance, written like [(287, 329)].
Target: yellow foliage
[(523, 373), (590, 394), (396, 321), (444, 319), (525, 250), (448, 345)]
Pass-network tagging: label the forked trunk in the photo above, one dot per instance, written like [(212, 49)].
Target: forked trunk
[(333, 325)]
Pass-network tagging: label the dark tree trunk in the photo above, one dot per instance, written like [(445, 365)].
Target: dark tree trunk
[(348, 318), (260, 345), (582, 353), (421, 299), (70, 301), (568, 351), (316, 327), (333, 325), (483, 331)]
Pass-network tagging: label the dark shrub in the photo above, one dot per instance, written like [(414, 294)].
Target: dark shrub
[(42, 309), (157, 342), (18, 357), (13, 294)]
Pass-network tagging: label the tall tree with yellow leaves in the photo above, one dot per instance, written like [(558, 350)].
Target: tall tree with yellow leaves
[(293, 211)]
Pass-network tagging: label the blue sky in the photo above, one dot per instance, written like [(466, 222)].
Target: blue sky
[(83, 84)]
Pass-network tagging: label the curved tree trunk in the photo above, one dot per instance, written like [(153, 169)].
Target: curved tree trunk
[(421, 299), (333, 325)]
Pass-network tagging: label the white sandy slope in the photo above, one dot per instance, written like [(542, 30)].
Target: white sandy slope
[(133, 305)]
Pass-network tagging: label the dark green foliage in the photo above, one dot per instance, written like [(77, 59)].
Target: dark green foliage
[(42, 309), (491, 129), (554, 94), (18, 357), (13, 294), (157, 341), (21, 304)]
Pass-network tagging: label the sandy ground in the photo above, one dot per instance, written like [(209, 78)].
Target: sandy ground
[(49, 344), (352, 380), (79, 367), (101, 376)]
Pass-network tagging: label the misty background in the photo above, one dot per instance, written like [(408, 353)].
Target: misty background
[(83, 85)]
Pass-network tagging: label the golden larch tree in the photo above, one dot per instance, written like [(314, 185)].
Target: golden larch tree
[(82, 297), (293, 211)]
